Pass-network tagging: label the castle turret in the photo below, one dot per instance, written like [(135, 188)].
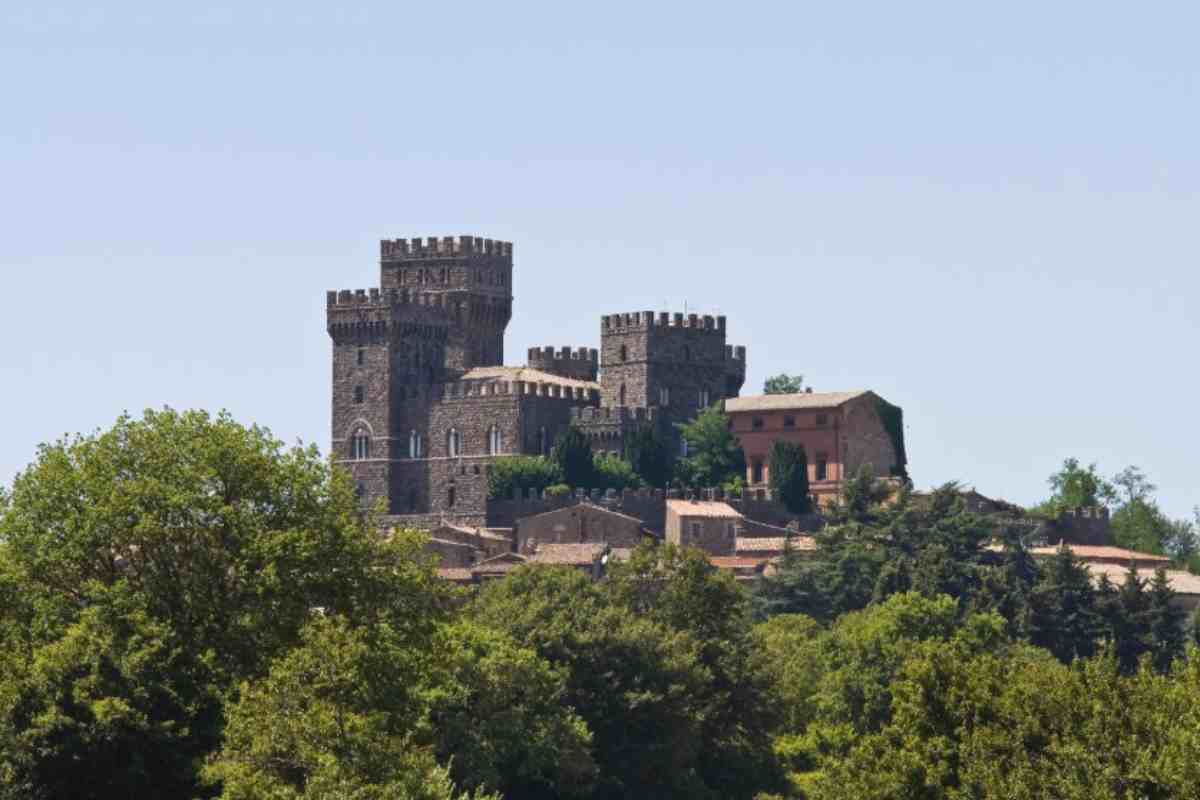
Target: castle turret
[(473, 278), (672, 362), (581, 364)]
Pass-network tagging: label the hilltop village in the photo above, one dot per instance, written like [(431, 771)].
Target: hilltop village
[(424, 406)]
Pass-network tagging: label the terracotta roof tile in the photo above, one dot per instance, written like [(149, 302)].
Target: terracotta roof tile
[(703, 508), (1182, 582), (789, 402), (1087, 551), (736, 562), (457, 574), (571, 554), (773, 544), (527, 374)]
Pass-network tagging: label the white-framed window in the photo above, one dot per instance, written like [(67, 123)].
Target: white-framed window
[(696, 530), (360, 445), (494, 441), (453, 443), (415, 445), (664, 396), (704, 398)]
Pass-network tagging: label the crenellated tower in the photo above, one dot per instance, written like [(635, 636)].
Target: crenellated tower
[(672, 362), (473, 278)]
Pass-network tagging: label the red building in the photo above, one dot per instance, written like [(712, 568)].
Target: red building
[(839, 431)]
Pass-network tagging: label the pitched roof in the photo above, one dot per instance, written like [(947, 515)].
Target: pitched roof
[(527, 374), (1182, 582), (572, 554), (788, 402), (736, 562), (1090, 551), (703, 508), (456, 574), (773, 544), (450, 543), (505, 562)]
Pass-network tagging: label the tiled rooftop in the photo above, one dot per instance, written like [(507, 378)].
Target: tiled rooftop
[(526, 374), (790, 402), (703, 508), (774, 544), (572, 554)]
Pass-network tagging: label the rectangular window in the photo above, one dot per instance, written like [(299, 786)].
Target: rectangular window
[(359, 395), (664, 396), (756, 472), (789, 422), (704, 398), (695, 530), (756, 423), (822, 466), (362, 356), (822, 420)]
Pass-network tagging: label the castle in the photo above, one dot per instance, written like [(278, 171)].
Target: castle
[(422, 401)]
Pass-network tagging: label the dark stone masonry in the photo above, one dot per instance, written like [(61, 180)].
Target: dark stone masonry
[(422, 401)]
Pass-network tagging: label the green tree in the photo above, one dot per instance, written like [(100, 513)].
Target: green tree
[(511, 473), (789, 476), (1076, 486), (633, 680), (573, 455), (1063, 616), (337, 717), (714, 455), (679, 588), (499, 717), (1165, 620), (650, 456), (784, 384), (1133, 484), (205, 535), (613, 472)]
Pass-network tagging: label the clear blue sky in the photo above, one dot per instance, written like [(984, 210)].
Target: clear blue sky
[(989, 215)]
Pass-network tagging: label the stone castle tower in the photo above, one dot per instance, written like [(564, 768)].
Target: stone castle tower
[(422, 402)]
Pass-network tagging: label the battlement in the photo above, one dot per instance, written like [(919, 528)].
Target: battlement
[(735, 353), (613, 414), (582, 363), (468, 389), (548, 353), (644, 320), (445, 247), (381, 298)]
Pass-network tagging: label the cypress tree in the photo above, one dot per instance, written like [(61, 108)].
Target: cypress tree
[(1165, 622), (573, 455), (789, 476)]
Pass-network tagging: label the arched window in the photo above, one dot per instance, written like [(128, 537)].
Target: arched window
[(664, 396), (683, 448), (453, 443), (621, 396), (414, 445), (494, 441), (360, 445)]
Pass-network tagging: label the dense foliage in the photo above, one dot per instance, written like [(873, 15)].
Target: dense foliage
[(521, 473), (789, 476), (648, 453), (784, 384), (192, 610), (714, 456)]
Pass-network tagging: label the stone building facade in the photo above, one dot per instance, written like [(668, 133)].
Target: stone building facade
[(839, 431), (422, 402)]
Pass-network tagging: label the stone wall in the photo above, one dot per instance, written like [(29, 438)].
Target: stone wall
[(866, 440), (582, 522)]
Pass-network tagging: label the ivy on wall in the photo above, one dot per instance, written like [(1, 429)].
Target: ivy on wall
[(892, 418)]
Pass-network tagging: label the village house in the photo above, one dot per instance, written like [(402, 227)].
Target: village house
[(839, 431)]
